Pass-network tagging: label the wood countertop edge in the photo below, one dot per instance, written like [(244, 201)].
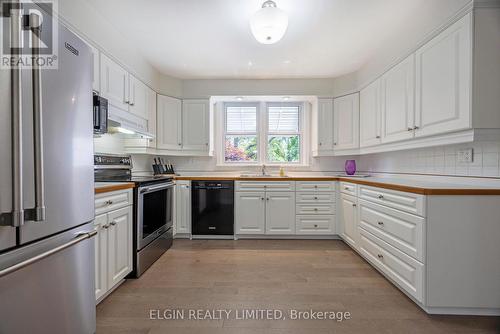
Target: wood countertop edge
[(113, 187), (397, 187)]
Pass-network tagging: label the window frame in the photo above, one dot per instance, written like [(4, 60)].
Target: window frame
[(262, 133)]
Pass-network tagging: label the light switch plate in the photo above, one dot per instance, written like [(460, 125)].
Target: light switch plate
[(465, 155)]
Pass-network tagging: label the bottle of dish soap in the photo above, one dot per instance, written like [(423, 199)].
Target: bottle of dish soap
[(282, 171)]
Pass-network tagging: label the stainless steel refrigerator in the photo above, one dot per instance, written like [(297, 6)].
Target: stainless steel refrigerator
[(46, 194)]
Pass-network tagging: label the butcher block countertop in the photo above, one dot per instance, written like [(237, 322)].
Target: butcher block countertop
[(423, 186), (105, 187)]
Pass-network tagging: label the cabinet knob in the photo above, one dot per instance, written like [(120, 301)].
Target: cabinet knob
[(106, 226), (268, 198), (113, 223), (315, 225), (335, 144), (109, 202), (410, 129), (415, 127), (320, 144), (315, 197), (206, 144), (262, 198), (380, 223), (315, 209), (179, 144), (346, 188), (380, 196), (354, 205), (380, 256), (378, 137)]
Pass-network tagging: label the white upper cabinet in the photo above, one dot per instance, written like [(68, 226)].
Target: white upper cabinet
[(195, 125), (346, 122), (398, 101), (138, 98), (114, 83), (325, 125), (169, 123), (369, 110), (443, 81)]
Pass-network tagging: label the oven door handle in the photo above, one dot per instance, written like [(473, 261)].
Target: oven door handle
[(156, 188)]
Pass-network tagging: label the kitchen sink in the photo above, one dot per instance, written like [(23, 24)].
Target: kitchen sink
[(258, 175)]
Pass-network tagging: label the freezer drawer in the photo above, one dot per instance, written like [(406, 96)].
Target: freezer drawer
[(54, 294)]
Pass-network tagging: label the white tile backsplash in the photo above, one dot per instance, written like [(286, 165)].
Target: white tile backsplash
[(437, 160)]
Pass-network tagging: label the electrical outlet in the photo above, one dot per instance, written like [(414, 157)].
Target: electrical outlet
[(466, 155)]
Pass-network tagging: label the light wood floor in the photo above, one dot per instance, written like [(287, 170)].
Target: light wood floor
[(271, 274)]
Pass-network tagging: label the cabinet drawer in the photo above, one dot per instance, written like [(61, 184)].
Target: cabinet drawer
[(265, 186), (399, 229), (315, 209), (315, 197), (407, 272), (315, 186), (113, 200), (348, 188), (408, 202), (324, 224)]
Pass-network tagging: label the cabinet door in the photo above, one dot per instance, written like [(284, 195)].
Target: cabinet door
[(280, 212), (168, 123), (138, 98), (101, 249), (348, 217), (325, 125), (398, 101), (249, 212), (195, 125), (369, 114), (183, 207), (114, 83), (96, 79), (346, 119), (119, 245), (443, 91), (152, 117)]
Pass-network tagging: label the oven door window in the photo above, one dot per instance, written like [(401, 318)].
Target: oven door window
[(157, 211)]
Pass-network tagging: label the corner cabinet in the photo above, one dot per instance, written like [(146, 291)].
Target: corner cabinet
[(113, 243), (346, 122), (443, 81), (169, 123), (183, 126)]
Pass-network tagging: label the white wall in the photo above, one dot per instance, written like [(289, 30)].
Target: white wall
[(91, 25), (438, 160), (205, 88)]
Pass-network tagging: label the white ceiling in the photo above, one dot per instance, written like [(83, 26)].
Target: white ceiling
[(212, 39)]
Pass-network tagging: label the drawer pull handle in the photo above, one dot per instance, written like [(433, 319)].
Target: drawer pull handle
[(380, 223), (315, 197), (105, 226), (109, 202), (354, 205), (380, 256), (315, 209), (346, 188), (381, 196), (113, 223), (316, 225)]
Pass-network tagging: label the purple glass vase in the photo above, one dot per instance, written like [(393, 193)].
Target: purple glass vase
[(350, 167)]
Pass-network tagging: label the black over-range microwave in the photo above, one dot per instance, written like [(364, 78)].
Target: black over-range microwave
[(100, 114)]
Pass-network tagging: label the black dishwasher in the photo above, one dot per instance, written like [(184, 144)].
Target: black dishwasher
[(212, 208)]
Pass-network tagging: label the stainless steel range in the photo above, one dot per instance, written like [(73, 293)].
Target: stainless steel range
[(153, 208)]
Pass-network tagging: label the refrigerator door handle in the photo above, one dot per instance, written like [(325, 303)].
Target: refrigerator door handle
[(37, 214), (16, 218), (79, 238)]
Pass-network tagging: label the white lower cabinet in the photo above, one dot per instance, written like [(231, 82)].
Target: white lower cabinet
[(280, 213), (275, 208), (182, 223), (348, 219), (250, 212), (113, 243)]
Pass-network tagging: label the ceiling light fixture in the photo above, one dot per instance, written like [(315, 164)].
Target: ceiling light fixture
[(269, 23)]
